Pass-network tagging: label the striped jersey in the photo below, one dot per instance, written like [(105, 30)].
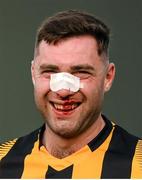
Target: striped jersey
[(114, 153)]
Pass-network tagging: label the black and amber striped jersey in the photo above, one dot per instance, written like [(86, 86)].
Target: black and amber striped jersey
[(114, 153)]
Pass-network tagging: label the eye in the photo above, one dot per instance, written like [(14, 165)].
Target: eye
[(47, 73), (82, 74)]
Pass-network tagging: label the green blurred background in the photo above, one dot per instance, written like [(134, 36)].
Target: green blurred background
[(19, 20)]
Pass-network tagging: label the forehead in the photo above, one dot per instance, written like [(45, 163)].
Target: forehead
[(71, 50)]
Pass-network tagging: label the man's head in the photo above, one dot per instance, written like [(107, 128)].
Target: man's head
[(76, 43), (74, 23)]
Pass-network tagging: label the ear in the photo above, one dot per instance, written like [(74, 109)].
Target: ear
[(32, 72), (110, 74)]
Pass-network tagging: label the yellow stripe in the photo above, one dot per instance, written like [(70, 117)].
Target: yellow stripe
[(92, 165), (5, 148), (137, 162), (35, 164)]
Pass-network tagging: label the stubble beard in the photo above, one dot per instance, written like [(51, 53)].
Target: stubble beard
[(64, 130), (67, 129)]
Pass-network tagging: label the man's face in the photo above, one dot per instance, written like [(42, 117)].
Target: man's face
[(69, 113)]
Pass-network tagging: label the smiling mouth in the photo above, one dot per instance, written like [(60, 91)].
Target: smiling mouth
[(65, 107)]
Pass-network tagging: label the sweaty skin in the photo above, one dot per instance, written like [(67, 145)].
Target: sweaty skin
[(72, 118)]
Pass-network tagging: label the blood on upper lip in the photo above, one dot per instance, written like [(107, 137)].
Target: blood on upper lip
[(70, 102), (65, 102)]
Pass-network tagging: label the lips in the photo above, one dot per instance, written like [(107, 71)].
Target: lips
[(66, 107)]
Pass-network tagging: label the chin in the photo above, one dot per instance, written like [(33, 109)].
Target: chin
[(66, 135), (65, 132)]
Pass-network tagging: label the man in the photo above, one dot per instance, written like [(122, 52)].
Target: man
[(71, 73)]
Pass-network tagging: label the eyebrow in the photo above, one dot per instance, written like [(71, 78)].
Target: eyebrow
[(49, 66), (72, 68), (82, 67)]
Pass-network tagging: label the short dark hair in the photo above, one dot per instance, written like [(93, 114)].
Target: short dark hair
[(72, 23)]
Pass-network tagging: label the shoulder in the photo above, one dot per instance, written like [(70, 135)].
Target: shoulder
[(124, 135), (124, 154), (123, 140), (19, 144), (5, 147)]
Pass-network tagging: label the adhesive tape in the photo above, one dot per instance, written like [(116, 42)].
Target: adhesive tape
[(66, 81)]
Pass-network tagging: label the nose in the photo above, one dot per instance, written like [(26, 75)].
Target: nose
[(64, 93)]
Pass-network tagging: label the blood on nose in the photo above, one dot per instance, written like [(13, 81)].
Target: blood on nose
[(64, 93)]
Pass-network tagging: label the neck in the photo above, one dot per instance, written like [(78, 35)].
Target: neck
[(61, 147)]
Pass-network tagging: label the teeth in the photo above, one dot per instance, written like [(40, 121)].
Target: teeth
[(74, 106), (57, 106), (65, 107)]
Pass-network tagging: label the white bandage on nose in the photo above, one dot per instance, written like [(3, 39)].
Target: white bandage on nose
[(66, 81)]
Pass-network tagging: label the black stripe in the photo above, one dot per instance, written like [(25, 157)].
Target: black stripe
[(12, 165), (63, 174), (118, 158), (101, 137), (42, 129)]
